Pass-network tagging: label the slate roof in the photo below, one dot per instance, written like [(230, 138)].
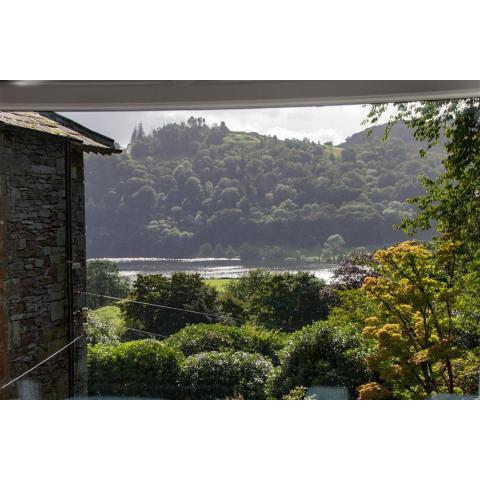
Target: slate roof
[(54, 124)]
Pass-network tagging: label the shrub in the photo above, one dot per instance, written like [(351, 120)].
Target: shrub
[(101, 331), (221, 375), (296, 393), (373, 391), (320, 354), (200, 338), (143, 368)]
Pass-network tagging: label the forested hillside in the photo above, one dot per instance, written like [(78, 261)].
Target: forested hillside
[(188, 184)]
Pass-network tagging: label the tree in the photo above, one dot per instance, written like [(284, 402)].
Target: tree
[(140, 131), (144, 199), (249, 253), (103, 278), (182, 291), (281, 301), (218, 251), (230, 252), (349, 155), (229, 197), (205, 250), (451, 201), (353, 269), (333, 247), (416, 319), (193, 188)]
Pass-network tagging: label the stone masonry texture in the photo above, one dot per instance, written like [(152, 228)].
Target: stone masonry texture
[(33, 267)]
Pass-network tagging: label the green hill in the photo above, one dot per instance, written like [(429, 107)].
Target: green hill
[(188, 184)]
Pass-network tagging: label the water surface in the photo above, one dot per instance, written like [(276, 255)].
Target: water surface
[(211, 267)]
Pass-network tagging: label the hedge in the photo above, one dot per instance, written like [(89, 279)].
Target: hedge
[(200, 338), (221, 375), (143, 368), (320, 354)]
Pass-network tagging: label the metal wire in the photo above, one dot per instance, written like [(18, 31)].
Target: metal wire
[(150, 304), (41, 363)]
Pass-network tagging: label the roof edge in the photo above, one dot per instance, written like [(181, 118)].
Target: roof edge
[(66, 122)]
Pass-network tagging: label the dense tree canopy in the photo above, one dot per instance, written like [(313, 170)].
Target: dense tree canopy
[(173, 295), (188, 184)]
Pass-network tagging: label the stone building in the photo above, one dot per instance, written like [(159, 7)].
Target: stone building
[(42, 252)]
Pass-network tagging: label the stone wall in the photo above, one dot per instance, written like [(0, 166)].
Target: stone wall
[(33, 267)]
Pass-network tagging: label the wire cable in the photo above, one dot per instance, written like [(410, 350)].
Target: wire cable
[(41, 363), (150, 304), (143, 331)]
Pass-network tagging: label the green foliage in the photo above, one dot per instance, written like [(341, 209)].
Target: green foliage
[(143, 368), (221, 375), (416, 324), (218, 251), (180, 291), (466, 371), (249, 253), (103, 278), (199, 338), (296, 393), (205, 250), (333, 248), (280, 300), (451, 200), (320, 354), (101, 331), (186, 184)]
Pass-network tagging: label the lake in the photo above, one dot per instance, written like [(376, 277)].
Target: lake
[(211, 267)]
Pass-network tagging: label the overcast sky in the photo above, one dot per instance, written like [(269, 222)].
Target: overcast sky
[(320, 124)]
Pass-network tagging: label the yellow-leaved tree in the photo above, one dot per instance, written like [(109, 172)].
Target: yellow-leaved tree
[(416, 326)]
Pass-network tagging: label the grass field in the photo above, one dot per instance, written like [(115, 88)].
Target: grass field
[(109, 313), (218, 283)]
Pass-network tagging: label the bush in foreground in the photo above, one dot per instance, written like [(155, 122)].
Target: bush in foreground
[(143, 368), (221, 375), (319, 354), (101, 331), (200, 338)]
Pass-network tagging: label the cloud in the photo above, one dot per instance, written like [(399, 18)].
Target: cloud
[(320, 124)]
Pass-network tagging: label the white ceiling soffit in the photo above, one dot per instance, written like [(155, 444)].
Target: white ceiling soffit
[(221, 94)]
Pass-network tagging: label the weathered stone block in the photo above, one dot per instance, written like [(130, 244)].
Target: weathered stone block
[(39, 262), (61, 236), (61, 273), (57, 310), (43, 170)]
